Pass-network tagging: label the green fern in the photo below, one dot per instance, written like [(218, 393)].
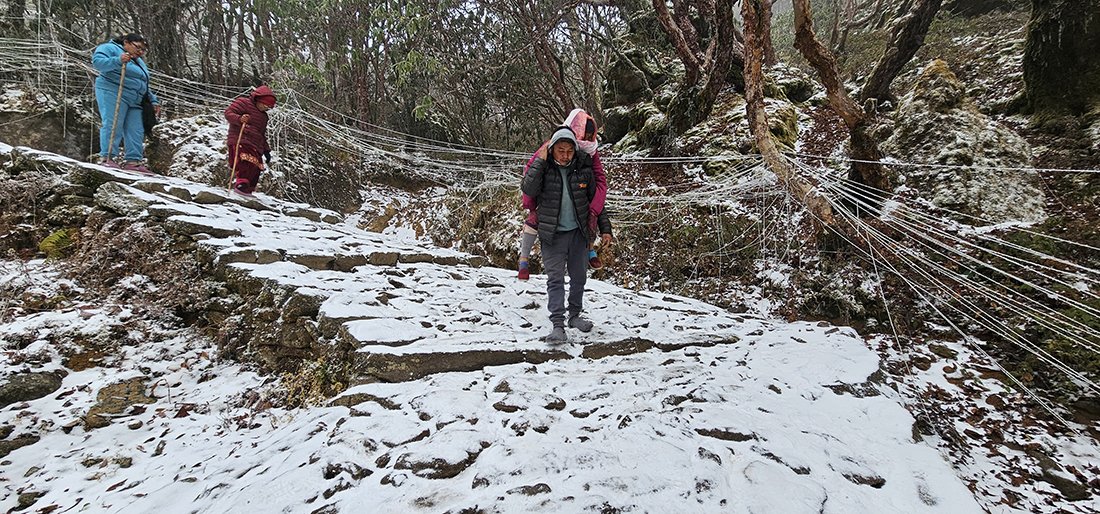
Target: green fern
[(55, 244)]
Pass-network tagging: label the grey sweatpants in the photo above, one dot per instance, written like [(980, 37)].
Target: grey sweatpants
[(565, 250)]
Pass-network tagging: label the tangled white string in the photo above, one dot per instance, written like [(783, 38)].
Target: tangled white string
[(961, 273)]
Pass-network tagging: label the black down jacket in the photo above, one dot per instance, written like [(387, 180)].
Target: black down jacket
[(543, 182)]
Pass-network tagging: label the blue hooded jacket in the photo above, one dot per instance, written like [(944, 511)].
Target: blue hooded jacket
[(107, 60)]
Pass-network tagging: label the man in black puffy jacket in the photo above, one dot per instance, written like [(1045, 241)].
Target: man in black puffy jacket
[(564, 185)]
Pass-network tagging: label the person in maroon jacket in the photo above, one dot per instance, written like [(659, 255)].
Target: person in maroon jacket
[(247, 141)]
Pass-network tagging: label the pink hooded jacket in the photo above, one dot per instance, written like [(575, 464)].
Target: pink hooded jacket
[(576, 120)]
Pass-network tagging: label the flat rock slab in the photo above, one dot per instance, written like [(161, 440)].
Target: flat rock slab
[(377, 367), (191, 225)]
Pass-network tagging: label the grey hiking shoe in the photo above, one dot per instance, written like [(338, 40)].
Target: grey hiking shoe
[(580, 323), (557, 335)]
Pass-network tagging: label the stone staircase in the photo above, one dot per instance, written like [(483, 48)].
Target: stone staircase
[(301, 284)]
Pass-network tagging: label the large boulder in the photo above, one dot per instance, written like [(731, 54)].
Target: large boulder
[(24, 387), (192, 148), (43, 122), (969, 163), (631, 79)]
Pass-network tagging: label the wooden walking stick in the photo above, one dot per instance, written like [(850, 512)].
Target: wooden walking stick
[(236, 158), (114, 122)]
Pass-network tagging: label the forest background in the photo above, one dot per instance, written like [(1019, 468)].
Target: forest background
[(497, 73)]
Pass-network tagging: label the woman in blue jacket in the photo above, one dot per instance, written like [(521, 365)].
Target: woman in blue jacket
[(109, 59)]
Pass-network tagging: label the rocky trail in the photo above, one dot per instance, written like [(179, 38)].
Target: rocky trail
[(450, 401)]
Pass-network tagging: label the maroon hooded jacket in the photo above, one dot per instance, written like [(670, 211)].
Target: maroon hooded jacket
[(255, 135)]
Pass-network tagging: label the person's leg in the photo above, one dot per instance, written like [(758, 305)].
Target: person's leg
[(526, 243), (248, 174), (133, 131), (555, 251), (230, 157), (577, 262), (106, 102)]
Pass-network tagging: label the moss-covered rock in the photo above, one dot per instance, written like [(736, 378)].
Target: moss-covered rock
[(22, 387), (792, 83), (970, 154), (631, 79), (726, 132), (645, 126)]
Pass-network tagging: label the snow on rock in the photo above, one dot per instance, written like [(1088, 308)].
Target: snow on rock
[(199, 145), (936, 124)]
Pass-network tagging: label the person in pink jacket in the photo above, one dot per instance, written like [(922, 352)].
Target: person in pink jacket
[(584, 128)]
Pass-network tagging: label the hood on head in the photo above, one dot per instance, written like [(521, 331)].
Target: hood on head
[(562, 133), (263, 92), (577, 120)]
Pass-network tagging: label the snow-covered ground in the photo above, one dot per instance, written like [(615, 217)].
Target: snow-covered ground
[(727, 413), (750, 426)]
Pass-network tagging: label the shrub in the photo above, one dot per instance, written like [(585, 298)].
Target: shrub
[(313, 383)]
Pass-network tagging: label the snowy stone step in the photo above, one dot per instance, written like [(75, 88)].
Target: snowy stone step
[(405, 327), (371, 366), (300, 285)]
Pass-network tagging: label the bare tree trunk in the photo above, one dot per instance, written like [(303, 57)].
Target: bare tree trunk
[(908, 37), (242, 45), (363, 90), (803, 189), (770, 58), (552, 69), (588, 81), (834, 32), (849, 13), (682, 16), (1061, 71), (726, 53), (866, 155), (692, 66), (853, 7), (705, 73), (381, 98), (263, 29), (585, 57), (227, 26)]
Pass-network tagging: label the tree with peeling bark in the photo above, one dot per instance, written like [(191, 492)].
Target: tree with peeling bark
[(907, 37), (845, 21), (866, 155), (755, 25), (705, 71)]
